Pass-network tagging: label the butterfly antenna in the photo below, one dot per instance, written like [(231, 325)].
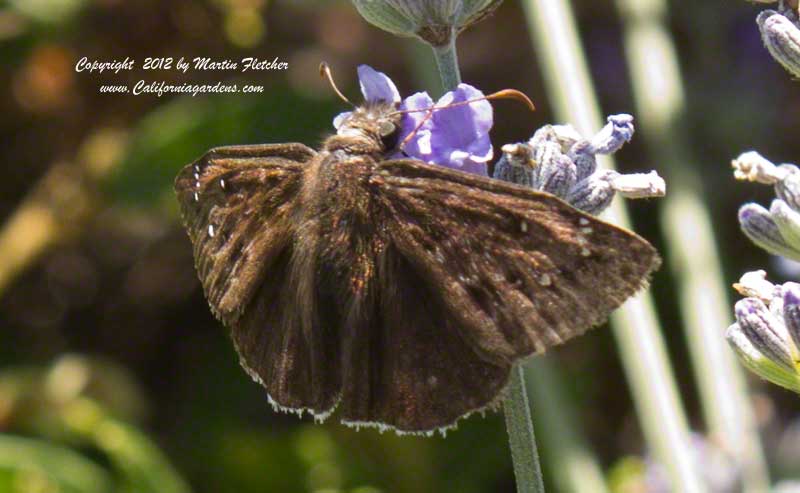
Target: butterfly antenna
[(511, 94), (325, 71), (419, 125), (503, 94)]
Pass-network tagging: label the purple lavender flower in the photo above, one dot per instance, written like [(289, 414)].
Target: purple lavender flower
[(456, 137), (376, 86)]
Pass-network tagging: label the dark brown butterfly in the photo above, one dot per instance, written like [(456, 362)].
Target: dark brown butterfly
[(399, 291)]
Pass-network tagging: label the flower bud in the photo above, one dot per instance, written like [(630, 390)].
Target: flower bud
[(781, 36), (758, 224), (436, 22), (788, 189), (788, 222), (754, 284), (617, 132), (593, 194), (516, 165), (752, 166), (640, 185), (776, 230)]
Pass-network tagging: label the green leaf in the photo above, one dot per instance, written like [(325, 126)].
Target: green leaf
[(25, 460)]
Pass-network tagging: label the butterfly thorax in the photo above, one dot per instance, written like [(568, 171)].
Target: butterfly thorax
[(369, 129)]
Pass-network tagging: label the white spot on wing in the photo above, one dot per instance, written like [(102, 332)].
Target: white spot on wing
[(211, 230), (222, 183), (583, 221), (523, 226), (196, 183)]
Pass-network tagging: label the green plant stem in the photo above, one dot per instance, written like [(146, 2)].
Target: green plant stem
[(522, 442), (423, 64), (690, 238), (521, 438), (635, 324), (447, 63)]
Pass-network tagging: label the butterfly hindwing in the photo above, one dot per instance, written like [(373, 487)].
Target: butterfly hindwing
[(410, 368)]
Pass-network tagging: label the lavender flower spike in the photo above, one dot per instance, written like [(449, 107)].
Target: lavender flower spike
[(767, 340), (558, 160), (766, 335)]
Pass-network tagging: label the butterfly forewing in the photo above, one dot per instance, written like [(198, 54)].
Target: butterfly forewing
[(237, 203), (239, 206), (519, 269)]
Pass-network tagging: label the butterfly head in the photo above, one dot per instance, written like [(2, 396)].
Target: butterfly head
[(373, 128)]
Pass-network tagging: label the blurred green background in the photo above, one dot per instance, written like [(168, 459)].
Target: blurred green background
[(114, 376)]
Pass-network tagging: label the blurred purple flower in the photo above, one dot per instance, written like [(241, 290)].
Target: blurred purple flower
[(456, 136)]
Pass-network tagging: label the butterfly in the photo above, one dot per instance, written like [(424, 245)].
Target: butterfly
[(398, 292)]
